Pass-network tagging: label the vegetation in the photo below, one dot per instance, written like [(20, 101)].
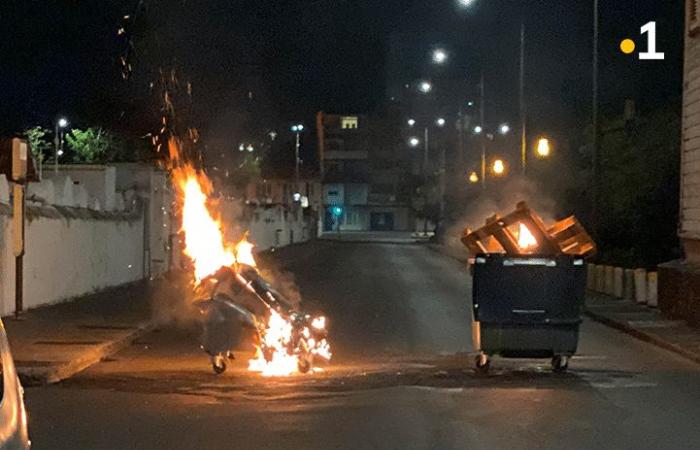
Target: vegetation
[(638, 195), (38, 141)]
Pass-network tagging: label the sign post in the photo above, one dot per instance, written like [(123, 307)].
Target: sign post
[(20, 149)]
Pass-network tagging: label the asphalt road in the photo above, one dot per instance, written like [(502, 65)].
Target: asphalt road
[(401, 378)]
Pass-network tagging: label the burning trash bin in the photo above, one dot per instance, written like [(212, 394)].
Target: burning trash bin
[(529, 283)]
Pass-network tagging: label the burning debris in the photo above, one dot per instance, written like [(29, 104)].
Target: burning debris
[(288, 340), (523, 232)]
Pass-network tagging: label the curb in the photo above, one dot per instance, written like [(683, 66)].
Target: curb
[(374, 241), (54, 373), (642, 336)]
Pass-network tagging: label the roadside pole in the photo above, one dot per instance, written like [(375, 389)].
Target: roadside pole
[(20, 149)]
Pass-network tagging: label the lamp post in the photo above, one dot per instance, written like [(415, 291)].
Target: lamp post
[(297, 129), (61, 124)]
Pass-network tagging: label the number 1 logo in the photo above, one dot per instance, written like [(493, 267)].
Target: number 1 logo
[(651, 54)]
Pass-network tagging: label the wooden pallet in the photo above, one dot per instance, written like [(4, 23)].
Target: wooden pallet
[(497, 236)]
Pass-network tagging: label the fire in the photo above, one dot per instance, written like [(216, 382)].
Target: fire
[(526, 239), (203, 236), (206, 247), (277, 337), (244, 253)]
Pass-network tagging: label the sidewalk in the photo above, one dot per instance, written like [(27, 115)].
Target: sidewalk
[(374, 237), (54, 342), (644, 323)]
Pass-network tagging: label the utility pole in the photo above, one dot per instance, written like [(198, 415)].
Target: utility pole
[(596, 143), (482, 135), (523, 118), (426, 150), (296, 165)]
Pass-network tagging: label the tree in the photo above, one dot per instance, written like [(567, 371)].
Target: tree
[(38, 143), (91, 145)]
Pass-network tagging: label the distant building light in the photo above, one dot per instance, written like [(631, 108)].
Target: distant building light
[(297, 197), (478, 129), (241, 147), (349, 123)]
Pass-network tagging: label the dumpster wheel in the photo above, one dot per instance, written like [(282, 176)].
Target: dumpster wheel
[(482, 363), (560, 363), (218, 364)]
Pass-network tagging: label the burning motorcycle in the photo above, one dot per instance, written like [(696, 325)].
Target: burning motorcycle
[(240, 301)]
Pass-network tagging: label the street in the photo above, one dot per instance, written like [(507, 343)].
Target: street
[(401, 377)]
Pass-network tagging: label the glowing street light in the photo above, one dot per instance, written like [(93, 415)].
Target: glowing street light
[(543, 147), (425, 87), (414, 142), (478, 129), (439, 56), (297, 129), (473, 178), (465, 3), (498, 167), (504, 128), (411, 122), (61, 124), (440, 122)]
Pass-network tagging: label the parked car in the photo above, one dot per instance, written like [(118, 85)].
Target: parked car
[(13, 416)]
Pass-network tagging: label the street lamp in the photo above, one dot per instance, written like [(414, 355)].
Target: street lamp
[(411, 122), (543, 147), (61, 124), (504, 128), (439, 56), (465, 3), (297, 129), (440, 122), (473, 178), (498, 167), (414, 141), (425, 87), (478, 129)]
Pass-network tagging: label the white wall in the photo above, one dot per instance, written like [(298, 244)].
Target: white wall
[(269, 226), (99, 182), (69, 257)]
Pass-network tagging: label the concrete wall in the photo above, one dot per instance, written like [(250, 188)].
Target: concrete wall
[(97, 180), (269, 226), (69, 252)]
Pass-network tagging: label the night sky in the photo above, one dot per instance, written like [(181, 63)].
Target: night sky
[(261, 64)]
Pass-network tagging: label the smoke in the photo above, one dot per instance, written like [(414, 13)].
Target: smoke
[(172, 300), (502, 199), (285, 283)]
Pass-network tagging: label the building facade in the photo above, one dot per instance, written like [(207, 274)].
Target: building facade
[(362, 176), (679, 281)]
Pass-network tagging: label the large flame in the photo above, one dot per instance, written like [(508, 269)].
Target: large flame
[(206, 247), (526, 240)]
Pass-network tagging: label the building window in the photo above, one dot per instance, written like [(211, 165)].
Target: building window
[(349, 123), (693, 17)]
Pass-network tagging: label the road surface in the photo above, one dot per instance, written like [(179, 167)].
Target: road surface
[(401, 378)]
